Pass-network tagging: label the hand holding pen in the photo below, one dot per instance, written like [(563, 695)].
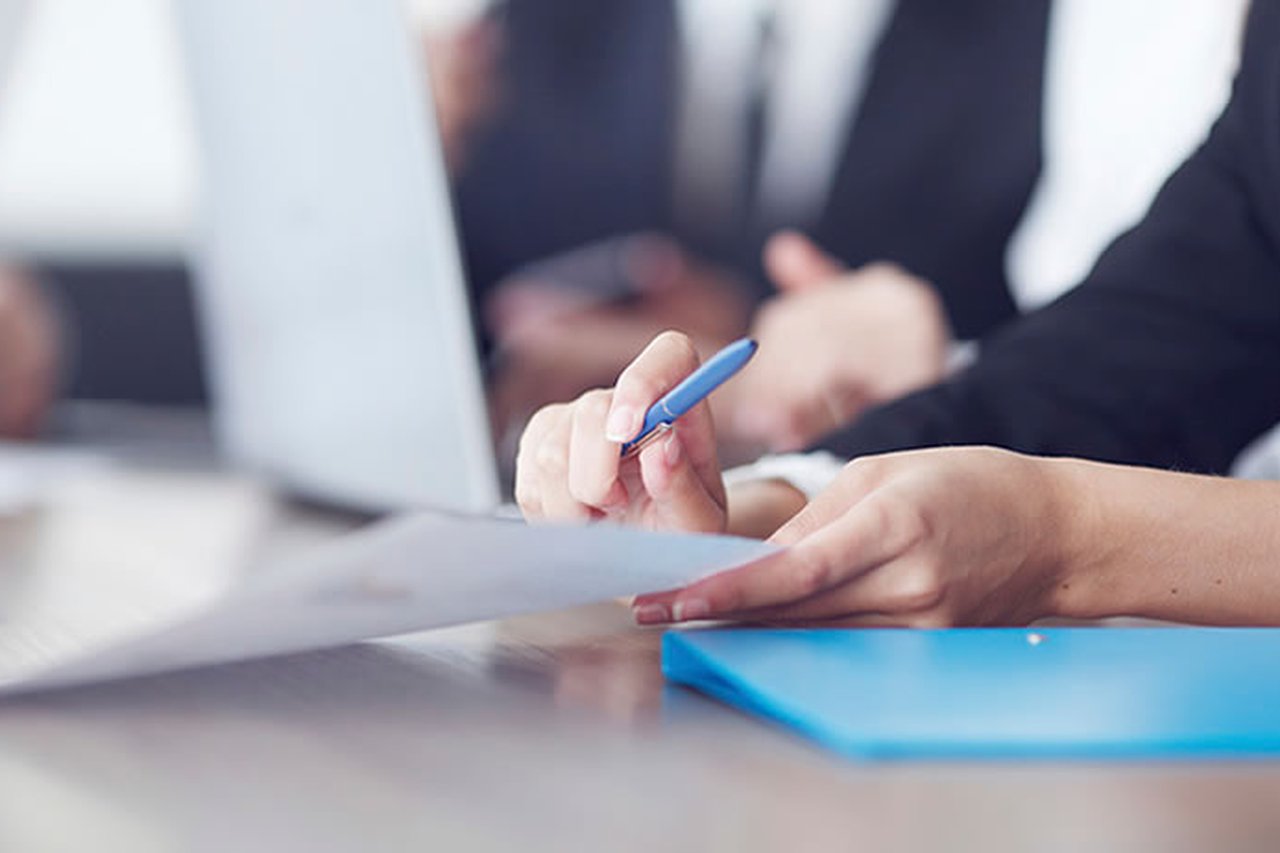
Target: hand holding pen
[(615, 454)]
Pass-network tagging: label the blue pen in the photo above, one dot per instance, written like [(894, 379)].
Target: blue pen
[(690, 392)]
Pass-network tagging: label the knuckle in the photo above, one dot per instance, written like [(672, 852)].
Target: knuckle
[(551, 460), (590, 411), (811, 575), (541, 439), (923, 589), (902, 522), (540, 425), (593, 402), (802, 525)]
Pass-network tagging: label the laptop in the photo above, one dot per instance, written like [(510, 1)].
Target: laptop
[(13, 14), (332, 297)]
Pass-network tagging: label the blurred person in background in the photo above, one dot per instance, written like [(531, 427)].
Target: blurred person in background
[(30, 354), (566, 129), (627, 160), (79, 222), (1129, 95), (1167, 356), (29, 348), (622, 169)]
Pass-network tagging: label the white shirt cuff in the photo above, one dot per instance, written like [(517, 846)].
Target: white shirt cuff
[(808, 473), (811, 473)]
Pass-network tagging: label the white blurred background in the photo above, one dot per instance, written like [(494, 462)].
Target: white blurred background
[(97, 160)]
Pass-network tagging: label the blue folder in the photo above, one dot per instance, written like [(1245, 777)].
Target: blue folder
[(999, 693)]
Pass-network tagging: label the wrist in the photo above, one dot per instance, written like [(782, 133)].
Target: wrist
[(1077, 545), (1061, 523)]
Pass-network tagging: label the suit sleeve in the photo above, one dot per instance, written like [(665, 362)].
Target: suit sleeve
[(1169, 353)]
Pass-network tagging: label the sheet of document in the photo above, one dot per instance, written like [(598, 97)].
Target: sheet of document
[(410, 574), (29, 473)]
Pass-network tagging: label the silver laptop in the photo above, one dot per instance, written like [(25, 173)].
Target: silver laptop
[(13, 15), (331, 291)]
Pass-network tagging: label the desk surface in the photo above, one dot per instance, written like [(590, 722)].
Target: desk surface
[(552, 732)]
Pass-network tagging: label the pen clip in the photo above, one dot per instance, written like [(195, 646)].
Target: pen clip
[(643, 442)]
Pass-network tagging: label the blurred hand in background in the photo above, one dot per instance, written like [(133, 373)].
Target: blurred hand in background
[(832, 343), (29, 355), (574, 322)]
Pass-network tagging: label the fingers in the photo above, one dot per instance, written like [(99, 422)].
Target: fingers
[(687, 489), (856, 482), (697, 443), (566, 469), (796, 264), (838, 542), (791, 585), (777, 406), (542, 483), (569, 467), (669, 358), (593, 459), (908, 594), (682, 499), (923, 620)]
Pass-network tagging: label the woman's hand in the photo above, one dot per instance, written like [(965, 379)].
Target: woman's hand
[(569, 466), (929, 538), (832, 343)]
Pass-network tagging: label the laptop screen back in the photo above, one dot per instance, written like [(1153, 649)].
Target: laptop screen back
[(331, 290)]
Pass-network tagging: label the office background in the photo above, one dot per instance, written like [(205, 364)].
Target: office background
[(98, 181)]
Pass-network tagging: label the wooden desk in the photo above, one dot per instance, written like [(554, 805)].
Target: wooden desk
[(547, 733)]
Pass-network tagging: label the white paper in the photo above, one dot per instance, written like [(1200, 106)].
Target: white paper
[(409, 574), (28, 473)]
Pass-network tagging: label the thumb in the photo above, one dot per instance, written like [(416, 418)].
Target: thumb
[(796, 264)]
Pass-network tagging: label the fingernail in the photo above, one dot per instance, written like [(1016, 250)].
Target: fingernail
[(688, 611), (671, 452), (621, 425), (651, 614)]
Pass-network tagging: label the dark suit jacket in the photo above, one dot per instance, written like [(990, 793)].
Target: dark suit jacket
[(940, 160), (131, 332), (1169, 354)]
